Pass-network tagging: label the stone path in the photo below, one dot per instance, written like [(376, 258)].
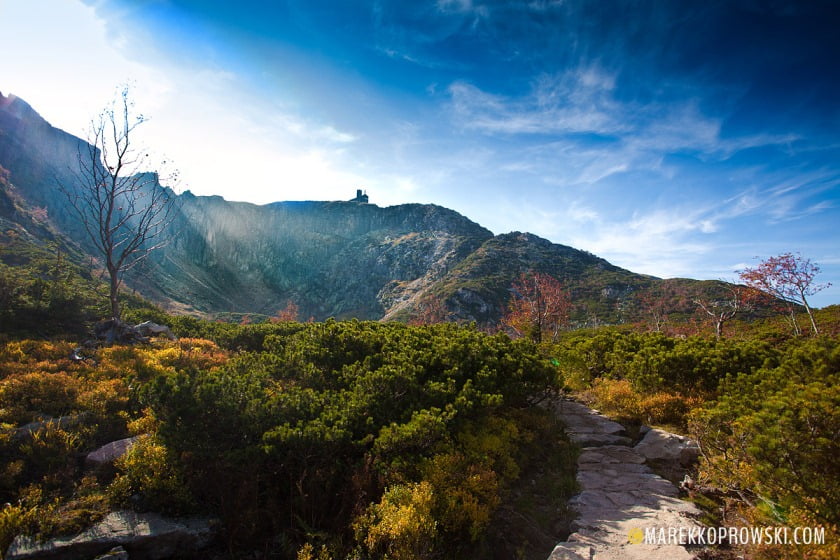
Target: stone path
[(620, 496)]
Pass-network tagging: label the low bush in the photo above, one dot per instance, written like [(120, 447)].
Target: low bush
[(772, 434), (148, 478)]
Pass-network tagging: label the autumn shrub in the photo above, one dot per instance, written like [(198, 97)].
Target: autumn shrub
[(49, 455), (25, 397), (40, 514), (307, 552), (25, 356), (615, 397), (466, 496), (667, 408), (619, 399), (118, 362), (147, 477), (16, 519), (104, 399), (85, 505), (401, 525)]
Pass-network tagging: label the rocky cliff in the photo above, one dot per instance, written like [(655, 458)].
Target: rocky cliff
[(332, 259)]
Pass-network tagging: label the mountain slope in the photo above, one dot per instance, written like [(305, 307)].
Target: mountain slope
[(341, 259)]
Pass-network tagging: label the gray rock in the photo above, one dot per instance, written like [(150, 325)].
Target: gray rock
[(148, 328), (110, 452), (146, 536), (619, 494), (585, 439), (571, 551), (659, 445)]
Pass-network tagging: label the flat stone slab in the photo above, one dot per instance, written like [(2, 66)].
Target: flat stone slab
[(580, 418), (620, 496), (610, 454), (110, 452), (588, 439), (659, 445), (144, 536)]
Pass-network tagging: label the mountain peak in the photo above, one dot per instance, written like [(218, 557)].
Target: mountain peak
[(17, 107), (348, 258)]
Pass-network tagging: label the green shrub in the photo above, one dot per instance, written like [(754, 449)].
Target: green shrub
[(326, 415), (773, 431)]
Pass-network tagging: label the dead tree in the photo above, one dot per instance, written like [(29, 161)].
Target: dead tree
[(118, 200), (724, 308)]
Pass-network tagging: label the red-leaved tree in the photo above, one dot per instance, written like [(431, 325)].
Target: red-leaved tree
[(289, 314), (790, 278), (539, 307)]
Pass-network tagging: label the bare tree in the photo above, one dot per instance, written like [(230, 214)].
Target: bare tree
[(724, 308), (117, 199)]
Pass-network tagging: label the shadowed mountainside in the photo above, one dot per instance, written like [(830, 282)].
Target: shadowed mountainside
[(339, 259)]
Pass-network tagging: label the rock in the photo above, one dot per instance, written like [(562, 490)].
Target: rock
[(659, 445), (620, 495), (571, 551), (114, 330), (588, 429), (609, 454), (149, 328), (63, 422), (110, 452), (146, 536)]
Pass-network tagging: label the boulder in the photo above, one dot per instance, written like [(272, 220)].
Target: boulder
[(149, 328), (110, 452), (62, 422), (143, 536), (670, 455), (659, 445)]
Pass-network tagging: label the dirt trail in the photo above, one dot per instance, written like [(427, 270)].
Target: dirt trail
[(620, 496)]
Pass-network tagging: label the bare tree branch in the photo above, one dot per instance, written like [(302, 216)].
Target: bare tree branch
[(120, 204)]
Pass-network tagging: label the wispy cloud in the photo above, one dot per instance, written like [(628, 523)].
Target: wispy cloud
[(463, 7), (584, 100), (576, 101), (782, 196)]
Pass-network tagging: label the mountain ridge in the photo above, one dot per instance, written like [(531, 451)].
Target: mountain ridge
[(338, 259)]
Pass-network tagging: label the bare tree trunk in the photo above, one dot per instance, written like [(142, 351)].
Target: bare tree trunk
[(113, 295), (120, 203), (810, 316)]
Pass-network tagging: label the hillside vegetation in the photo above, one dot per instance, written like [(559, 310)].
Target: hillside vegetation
[(764, 407), (370, 440), (376, 440)]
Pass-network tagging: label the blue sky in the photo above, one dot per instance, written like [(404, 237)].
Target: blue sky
[(674, 138)]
